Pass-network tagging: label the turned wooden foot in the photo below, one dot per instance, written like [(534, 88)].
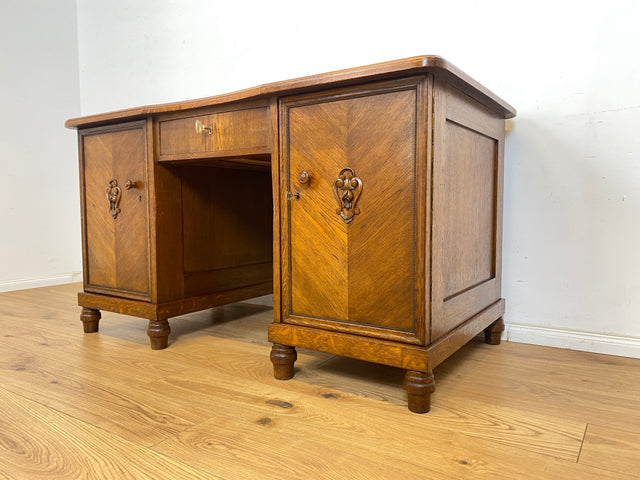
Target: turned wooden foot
[(90, 319), (493, 332), (283, 358), (158, 332), (419, 387)]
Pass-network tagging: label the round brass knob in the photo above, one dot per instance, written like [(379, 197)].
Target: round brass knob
[(304, 177), (129, 184)]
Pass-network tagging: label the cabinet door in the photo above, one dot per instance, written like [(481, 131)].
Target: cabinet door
[(115, 210), (353, 255)]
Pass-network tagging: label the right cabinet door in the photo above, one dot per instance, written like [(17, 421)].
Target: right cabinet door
[(353, 189)]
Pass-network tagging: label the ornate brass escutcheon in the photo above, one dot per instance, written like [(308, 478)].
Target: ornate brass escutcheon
[(347, 189), (113, 196)]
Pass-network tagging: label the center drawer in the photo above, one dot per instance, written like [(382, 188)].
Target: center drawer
[(230, 133)]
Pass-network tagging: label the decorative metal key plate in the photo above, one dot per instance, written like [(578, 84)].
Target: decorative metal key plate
[(113, 195), (347, 189)]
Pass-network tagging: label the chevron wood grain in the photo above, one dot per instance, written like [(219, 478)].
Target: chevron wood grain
[(117, 247), (332, 271)]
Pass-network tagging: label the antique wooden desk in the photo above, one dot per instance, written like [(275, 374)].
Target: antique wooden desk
[(368, 200)]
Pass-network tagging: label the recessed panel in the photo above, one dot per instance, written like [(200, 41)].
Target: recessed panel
[(117, 231), (354, 261), (469, 209)]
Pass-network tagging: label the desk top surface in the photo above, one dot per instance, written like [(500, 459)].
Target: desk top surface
[(404, 67)]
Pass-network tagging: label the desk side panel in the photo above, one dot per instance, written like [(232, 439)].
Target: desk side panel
[(468, 170)]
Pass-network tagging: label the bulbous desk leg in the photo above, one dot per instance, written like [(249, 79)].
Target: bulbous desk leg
[(90, 319), (419, 387), (158, 332), (283, 357)]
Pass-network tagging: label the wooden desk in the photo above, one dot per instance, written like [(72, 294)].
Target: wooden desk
[(369, 201)]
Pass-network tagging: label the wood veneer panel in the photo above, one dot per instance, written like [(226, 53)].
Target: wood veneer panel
[(326, 134), (385, 227), (117, 248), (467, 206), (234, 130), (469, 209), (317, 237)]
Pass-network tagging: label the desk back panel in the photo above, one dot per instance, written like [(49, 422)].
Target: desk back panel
[(227, 227)]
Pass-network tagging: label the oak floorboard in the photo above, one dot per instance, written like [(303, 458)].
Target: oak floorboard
[(108, 400), (91, 354), (508, 411), (600, 390), (126, 411), (38, 442), (367, 428), (549, 435), (236, 449), (580, 370), (491, 374), (611, 449)]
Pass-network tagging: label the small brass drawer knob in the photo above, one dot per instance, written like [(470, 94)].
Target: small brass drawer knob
[(202, 128), (304, 177), (129, 184)]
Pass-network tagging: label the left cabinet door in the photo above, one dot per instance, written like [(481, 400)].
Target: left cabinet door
[(115, 210)]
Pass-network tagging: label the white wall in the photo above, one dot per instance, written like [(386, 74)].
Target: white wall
[(39, 89), (572, 197)]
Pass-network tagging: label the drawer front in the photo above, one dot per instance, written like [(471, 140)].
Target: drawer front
[(354, 256), (232, 132), (115, 210)]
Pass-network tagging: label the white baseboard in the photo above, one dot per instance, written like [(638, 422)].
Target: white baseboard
[(71, 277), (573, 340)]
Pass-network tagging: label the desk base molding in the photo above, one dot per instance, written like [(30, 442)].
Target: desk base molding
[(418, 361), (158, 314)]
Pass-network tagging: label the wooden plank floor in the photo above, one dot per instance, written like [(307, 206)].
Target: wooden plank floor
[(107, 406)]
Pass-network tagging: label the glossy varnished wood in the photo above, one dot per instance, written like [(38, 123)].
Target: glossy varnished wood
[(116, 249), (386, 215), (412, 253), (467, 208), (408, 66), (187, 235), (106, 406), (330, 273)]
